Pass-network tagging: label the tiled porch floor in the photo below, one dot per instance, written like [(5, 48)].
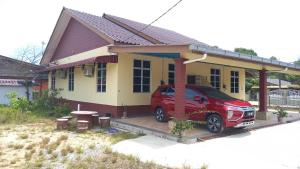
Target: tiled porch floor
[(201, 132)]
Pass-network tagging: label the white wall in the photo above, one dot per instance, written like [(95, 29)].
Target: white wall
[(20, 90)]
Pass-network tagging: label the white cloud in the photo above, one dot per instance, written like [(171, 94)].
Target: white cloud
[(271, 28)]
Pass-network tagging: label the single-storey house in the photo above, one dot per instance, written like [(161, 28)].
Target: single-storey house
[(13, 75), (112, 65)]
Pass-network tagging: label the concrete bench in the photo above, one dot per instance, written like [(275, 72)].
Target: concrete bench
[(67, 117), (61, 124), (95, 118), (82, 125), (104, 122)]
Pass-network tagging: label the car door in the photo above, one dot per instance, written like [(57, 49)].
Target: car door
[(168, 100), (194, 108)]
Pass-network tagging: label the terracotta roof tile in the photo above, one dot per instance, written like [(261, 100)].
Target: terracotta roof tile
[(121, 34), (163, 35), (110, 29)]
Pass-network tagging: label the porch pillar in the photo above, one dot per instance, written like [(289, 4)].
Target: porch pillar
[(263, 94), (180, 75)]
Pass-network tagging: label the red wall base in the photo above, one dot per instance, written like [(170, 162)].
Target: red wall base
[(115, 111)]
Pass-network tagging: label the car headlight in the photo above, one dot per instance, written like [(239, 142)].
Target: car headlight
[(229, 114)]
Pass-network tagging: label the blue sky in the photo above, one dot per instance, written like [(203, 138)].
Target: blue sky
[(271, 28)]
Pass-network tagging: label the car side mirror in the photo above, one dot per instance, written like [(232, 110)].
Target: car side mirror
[(197, 98)]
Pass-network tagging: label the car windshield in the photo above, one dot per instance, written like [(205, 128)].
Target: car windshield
[(214, 93)]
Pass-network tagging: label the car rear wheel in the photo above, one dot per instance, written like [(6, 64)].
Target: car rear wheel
[(214, 123), (160, 114)]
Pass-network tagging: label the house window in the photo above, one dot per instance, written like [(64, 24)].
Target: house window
[(101, 77), (71, 79), (215, 78), (53, 80), (171, 74), (191, 79), (141, 76), (234, 82)]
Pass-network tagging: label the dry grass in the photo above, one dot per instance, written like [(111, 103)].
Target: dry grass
[(115, 138), (28, 154), (44, 142), (66, 150), (106, 149), (30, 146), (14, 161), (204, 166), (63, 137), (112, 161), (56, 149), (54, 156), (92, 146), (23, 136), (79, 150), (18, 146)]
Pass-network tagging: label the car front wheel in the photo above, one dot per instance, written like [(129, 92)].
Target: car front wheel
[(214, 123), (160, 114)]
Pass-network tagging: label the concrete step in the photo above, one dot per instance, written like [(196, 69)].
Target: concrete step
[(142, 130)]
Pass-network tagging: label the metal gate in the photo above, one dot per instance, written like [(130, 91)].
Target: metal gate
[(284, 98)]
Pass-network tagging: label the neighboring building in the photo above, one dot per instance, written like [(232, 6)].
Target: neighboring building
[(108, 65), (279, 92), (13, 75), (40, 84)]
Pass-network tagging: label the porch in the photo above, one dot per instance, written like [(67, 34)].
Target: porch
[(148, 125), (186, 57)]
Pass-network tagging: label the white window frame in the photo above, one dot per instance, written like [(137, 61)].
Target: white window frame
[(101, 67), (234, 81)]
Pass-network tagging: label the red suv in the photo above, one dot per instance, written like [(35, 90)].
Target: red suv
[(206, 104)]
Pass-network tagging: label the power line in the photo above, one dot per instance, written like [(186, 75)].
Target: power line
[(156, 19)]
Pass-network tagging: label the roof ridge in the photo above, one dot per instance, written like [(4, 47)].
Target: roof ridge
[(131, 29)]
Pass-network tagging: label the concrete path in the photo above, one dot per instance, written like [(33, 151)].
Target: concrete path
[(275, 147)]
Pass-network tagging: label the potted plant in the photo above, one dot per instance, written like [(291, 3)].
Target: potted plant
[(180, 127), (281, 114)]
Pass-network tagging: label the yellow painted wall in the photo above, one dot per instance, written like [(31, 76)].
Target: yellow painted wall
[(125, 78), (85, 87), (203, 69), (119, 90)]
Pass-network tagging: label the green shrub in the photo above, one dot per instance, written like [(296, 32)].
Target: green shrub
[(181, 126), (50, 104), (7, 115), (20, 104), (61, 110), (281, 113), (21, 110)]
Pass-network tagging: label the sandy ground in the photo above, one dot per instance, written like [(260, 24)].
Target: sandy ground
[(21, 145), (276, 147)]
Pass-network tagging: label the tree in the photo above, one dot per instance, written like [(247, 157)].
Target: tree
[(297, 62), (273, 58), (250, 80), (30, 54), (245, 51)]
